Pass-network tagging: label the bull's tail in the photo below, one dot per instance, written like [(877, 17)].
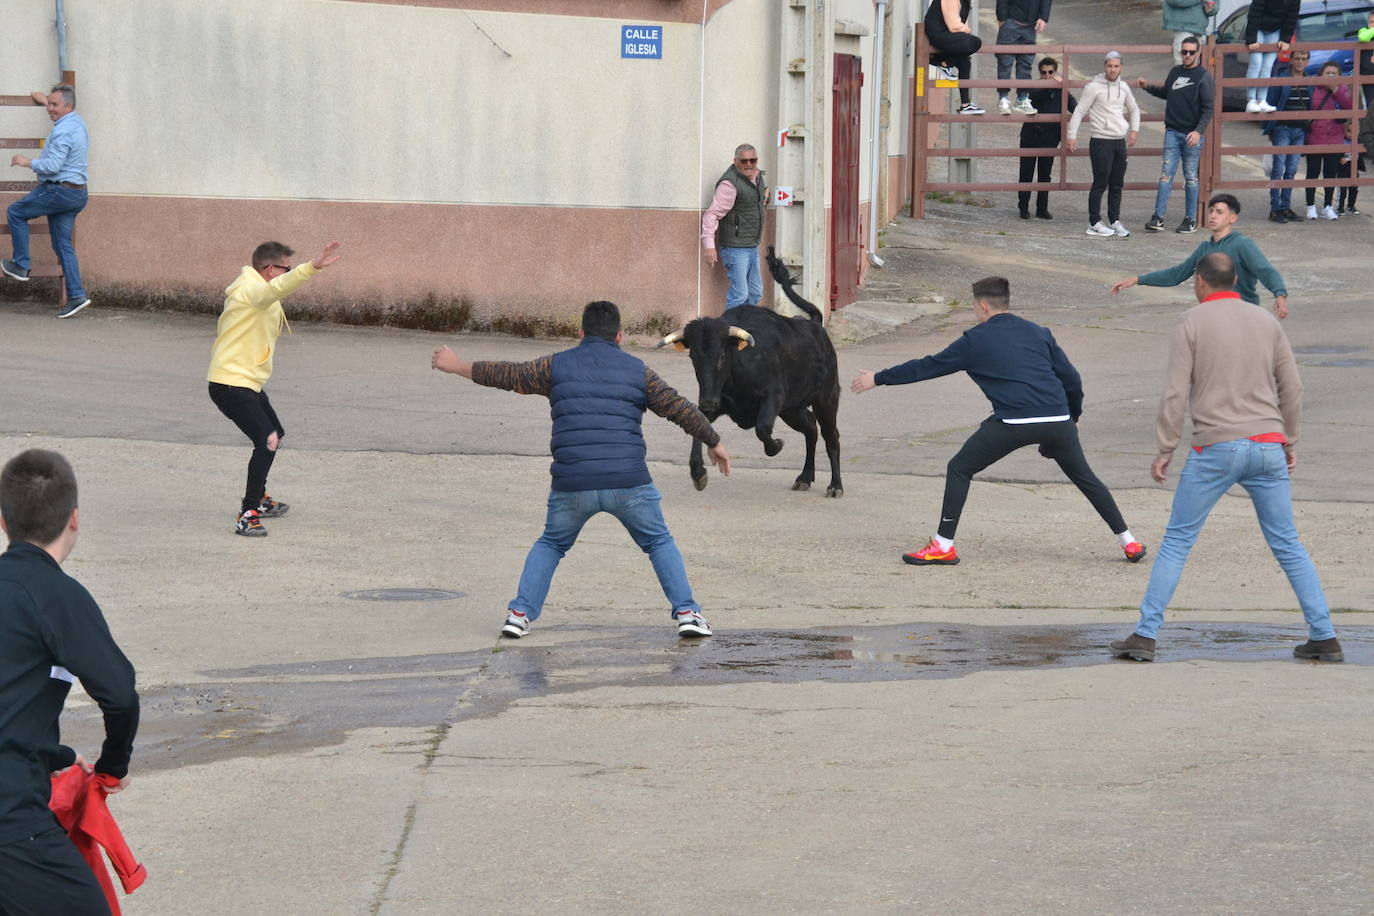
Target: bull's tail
[(783, 277)]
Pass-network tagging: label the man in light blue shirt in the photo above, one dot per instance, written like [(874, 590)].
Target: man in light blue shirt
[(60, 196)]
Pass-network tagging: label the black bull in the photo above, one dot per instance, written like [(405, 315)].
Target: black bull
[(756, 366)]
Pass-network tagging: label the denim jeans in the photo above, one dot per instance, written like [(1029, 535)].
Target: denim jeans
[(1015, 33), (638, 509), (60, 205), (1176, 149), (742, 267), (1261, 468), (1261, 65), (1285, 164)]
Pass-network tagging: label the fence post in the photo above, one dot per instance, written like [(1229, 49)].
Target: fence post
[(1211, 162), (920, 125)]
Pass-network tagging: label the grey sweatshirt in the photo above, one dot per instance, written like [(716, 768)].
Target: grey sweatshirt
[(1109, 107)]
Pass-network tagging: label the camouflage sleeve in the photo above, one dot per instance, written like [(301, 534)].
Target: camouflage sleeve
[(534, 377), (670, 405)]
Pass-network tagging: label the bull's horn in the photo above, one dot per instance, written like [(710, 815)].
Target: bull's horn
[(673, 338), (746, 339)]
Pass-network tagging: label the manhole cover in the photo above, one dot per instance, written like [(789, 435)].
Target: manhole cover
[(1332, 350), (402, 594), (1340, 363)]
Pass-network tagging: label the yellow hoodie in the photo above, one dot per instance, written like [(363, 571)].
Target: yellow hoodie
[(249, 326)]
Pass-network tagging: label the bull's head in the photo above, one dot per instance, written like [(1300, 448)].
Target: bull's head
[(710, 342)]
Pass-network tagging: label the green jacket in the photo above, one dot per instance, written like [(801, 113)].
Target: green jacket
[(1251, 265), (1185, 16)]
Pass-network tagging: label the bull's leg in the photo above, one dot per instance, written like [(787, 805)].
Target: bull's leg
[(804, 422), (697, 466), (827, 409), (763, 426)]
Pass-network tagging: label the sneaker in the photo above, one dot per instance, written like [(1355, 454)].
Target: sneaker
[(1043, 214), (1026, 108), (1025, 214), (1004, 106), (1266, 107), (14, 271), (516, 626), (1156, 224), (1311, 211), (1328, 213), (1340, 209), (1121, 230), (1134, 551), (1276, 216), (1321, 650), (249, 525), (691, 625), (1351, 211), (271, 508), (1100, 229), (1188, 225), (73, 306), (1253, 106), (971, 109), (1135, 647), (1292, 217), (932, 555)]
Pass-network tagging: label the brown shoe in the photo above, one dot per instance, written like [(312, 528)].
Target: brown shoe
[(1135, 647), (1322, 650)]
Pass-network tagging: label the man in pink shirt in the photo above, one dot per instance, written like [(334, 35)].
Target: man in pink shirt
[(736, 213)]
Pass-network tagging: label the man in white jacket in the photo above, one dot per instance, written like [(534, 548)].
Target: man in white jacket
[(1113, 125)]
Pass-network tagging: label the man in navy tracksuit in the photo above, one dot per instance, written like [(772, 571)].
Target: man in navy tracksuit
[(597, 395), (1036, 397)]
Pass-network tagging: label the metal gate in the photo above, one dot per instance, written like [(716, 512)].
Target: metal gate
[(846, 251)]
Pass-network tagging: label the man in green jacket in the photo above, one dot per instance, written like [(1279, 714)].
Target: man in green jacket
[(1222, 212)]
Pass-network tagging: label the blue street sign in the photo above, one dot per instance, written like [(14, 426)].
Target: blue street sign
[(644, 41)]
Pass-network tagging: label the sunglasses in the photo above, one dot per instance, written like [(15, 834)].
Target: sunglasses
[(1185, 51), (1049, 72), (280, 266), (748, 161)]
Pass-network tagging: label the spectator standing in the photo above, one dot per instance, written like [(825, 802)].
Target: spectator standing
[(60, 196), (1249, 263), (1042, 136), (1186, 19), (1268, 22), (1018, 22), (955, 44), (1326, 132), (736, 213), (1114, 124), (1352, 164), (1287, 133), (1188, 98), (1232, 369)]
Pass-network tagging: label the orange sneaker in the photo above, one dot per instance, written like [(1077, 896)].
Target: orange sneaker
[(932, 555), (1134, 551)]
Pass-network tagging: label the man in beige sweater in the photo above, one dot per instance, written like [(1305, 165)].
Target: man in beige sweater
[(1232, 362)]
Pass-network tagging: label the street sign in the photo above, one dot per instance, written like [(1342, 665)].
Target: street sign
[(641, 41)]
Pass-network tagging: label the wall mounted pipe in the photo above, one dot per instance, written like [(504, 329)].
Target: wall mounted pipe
[(874, 176)]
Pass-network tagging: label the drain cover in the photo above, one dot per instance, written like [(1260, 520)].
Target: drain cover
[(402, 594)]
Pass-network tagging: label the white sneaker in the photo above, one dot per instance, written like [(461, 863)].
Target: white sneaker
[(1253, 106), (517, 626), (1026, 108), (1266, 107), (1329, 213), (691, 625), (1099, 228), (1121, 230), (1311, 211), (1004, 105)]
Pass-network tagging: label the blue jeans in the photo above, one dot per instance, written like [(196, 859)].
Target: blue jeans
[(1285, 164), (1176, 149), (60, 205), (1261, 468), (1261, 65), (742, 267), (638, 509)]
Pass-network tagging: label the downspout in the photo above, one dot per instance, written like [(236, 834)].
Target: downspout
[(873, 174), (61, 40)]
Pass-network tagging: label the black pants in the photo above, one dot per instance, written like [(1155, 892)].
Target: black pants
[(1322, 165), (1109, 174), (956, 49), (995, 440), (253, 414), (1040, 167), (1346, 197), (44, 874)]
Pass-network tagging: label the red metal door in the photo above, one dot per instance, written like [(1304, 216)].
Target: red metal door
[(845, 248)]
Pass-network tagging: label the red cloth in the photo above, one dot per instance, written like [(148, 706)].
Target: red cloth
[(78, 801)]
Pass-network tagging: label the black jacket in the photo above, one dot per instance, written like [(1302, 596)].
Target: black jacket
[(1189, 95), (1044, 136), (1026, 11), (1271, 15)]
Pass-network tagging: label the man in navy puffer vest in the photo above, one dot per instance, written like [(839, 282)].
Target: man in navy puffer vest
[(597, 397)]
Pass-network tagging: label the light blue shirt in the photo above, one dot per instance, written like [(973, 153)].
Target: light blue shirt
[(64, 152)]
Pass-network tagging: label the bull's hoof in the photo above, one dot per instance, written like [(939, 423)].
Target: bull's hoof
[(801, 484), (836, 492), (772, 447), (699, 482)]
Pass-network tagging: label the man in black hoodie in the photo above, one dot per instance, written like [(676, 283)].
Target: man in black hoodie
[(1188, 101), (1042, 136)]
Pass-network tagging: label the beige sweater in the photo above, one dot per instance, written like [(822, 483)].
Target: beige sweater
[(1230, 365)]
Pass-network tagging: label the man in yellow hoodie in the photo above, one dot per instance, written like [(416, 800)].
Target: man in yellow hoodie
[(241, 363)]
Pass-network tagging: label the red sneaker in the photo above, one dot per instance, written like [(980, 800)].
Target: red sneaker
[(932, 555), (1134, 551)]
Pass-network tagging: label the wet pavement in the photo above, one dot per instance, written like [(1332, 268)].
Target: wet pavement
[(271, 709)]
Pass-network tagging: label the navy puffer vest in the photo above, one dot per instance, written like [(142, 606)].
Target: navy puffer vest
[(597, 401)]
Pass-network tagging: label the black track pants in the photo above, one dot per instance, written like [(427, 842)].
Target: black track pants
[(1109, 174), (253, 414)]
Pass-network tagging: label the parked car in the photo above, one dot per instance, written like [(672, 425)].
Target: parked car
[(1318, 20)]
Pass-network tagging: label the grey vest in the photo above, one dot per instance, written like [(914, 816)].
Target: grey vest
[(742, 227)]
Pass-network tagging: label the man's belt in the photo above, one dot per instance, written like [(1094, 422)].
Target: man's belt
[(67, 184)]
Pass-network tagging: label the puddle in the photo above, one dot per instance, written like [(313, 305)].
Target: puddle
[(268, 709)]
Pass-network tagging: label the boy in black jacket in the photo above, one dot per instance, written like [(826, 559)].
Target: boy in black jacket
[(1036, 396), (51, 634), (1042, 136), (1188, 100)]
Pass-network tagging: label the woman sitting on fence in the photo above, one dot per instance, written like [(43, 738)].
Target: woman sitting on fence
[(954, 42)]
